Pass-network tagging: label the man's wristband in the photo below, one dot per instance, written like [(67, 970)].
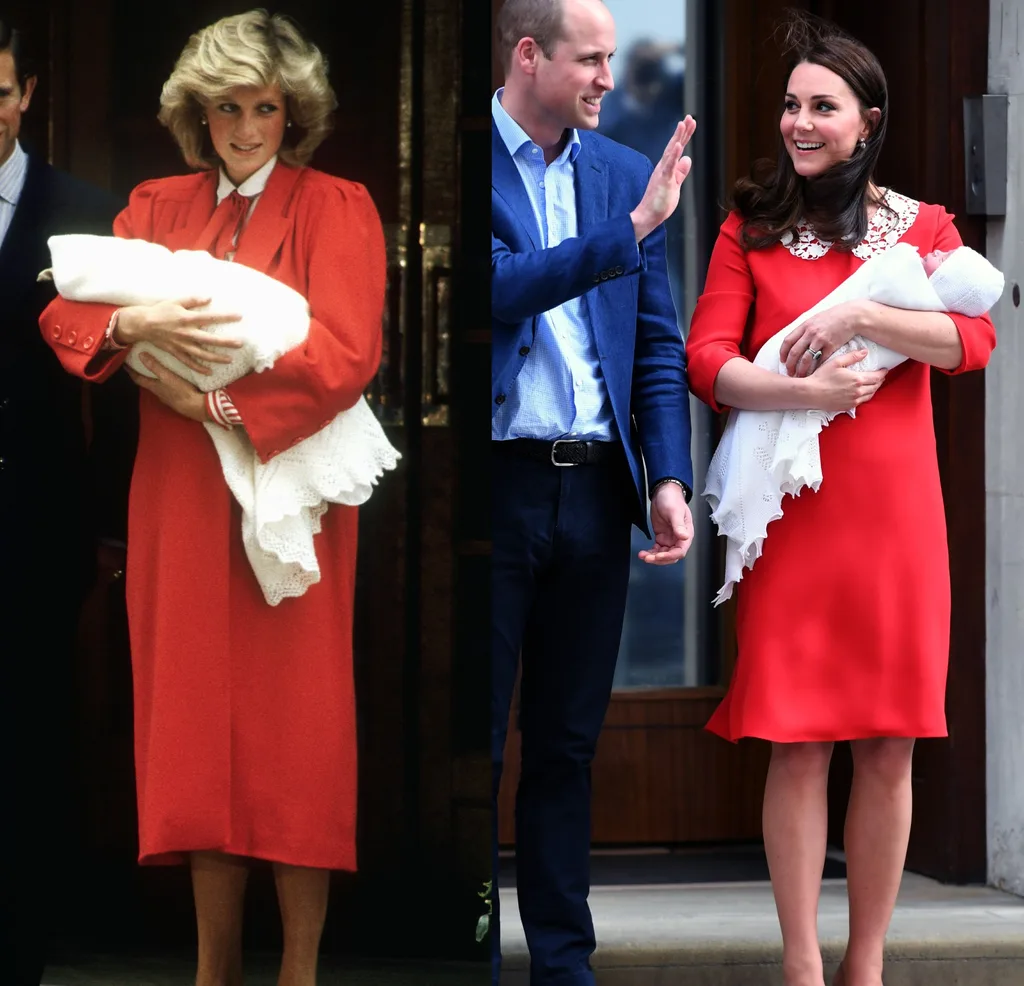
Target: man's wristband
[(687, 492)]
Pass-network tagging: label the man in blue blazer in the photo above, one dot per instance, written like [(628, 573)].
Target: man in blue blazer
[(589, 413)]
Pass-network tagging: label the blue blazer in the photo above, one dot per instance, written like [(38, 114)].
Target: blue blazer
[(628, 298)]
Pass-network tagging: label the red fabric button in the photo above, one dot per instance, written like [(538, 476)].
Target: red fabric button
[(72, 336), (87, 342), (56, 332)]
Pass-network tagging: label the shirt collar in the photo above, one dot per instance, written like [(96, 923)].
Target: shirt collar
[(12, 175), (252, 186), (515, 136)]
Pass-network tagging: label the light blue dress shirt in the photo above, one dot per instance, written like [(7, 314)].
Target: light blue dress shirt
[(560, 391)]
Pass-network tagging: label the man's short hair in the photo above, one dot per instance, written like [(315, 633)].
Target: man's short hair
[(13, 40), (541, 20)]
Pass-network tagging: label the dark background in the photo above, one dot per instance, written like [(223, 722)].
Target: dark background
[(411, 81)]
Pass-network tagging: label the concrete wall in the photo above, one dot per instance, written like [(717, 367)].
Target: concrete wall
[(1004, 481)]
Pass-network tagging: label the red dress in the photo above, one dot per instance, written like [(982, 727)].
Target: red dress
[(245, 729), (843, 623)]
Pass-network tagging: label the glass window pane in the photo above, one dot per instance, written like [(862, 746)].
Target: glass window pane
[(665, 638)]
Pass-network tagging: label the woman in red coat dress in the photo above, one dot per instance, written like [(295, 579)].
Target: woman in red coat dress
[(245, 731), (843, 623)]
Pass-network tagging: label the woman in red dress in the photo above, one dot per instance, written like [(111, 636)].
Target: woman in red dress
[(245, 731), (843, 623)]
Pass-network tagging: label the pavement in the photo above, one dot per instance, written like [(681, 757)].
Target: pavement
[(694, 934), (728, 935)]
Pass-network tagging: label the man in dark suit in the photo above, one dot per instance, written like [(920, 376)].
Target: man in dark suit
[(590, 418), (50, 513)]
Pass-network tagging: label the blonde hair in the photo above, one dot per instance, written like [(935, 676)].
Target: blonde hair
[(251, 49)]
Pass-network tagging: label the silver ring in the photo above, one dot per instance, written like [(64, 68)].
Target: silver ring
[(814, 353)]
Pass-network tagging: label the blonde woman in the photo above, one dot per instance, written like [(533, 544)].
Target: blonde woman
[(245, 729)]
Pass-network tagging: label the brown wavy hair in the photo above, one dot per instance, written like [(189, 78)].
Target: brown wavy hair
[(774, 198)]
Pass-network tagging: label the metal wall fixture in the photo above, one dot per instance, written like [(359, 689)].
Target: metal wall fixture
[(436, 242), (386, 392), (985, 157)]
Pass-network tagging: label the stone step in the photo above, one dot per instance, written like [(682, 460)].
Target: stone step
[(728, 935)]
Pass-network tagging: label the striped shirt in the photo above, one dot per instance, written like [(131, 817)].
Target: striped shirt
[(12, 182), (560, 390)]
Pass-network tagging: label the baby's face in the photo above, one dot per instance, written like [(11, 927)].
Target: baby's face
[(934, 260)]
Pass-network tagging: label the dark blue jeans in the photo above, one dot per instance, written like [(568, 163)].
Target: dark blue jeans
[(560, 567)]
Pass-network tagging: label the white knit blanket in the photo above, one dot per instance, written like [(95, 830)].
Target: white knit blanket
[(763, 455), (283, 500)]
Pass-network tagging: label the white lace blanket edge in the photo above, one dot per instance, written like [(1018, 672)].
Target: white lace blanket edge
[(765, 455), (282, 501)]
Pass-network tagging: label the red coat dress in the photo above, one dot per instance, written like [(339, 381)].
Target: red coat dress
[(245, 730), (843, 623)]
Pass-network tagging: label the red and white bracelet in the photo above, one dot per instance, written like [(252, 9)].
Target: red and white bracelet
[(109, 342), (222, 410)]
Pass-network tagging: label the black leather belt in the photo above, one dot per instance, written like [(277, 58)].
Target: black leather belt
[(564, 451)]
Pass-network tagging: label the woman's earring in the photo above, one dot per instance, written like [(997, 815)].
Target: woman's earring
[(289, 123), (202, 120), (861, 144)]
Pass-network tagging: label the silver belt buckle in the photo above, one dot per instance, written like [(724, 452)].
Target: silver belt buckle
[(563, 441)]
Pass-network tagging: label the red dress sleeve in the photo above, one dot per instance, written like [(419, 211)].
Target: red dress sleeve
[(720, 317), (977, 335), (309, 385), (75, 330)]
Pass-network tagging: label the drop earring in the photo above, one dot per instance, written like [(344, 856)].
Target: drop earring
[(861, 144), (289, 123)]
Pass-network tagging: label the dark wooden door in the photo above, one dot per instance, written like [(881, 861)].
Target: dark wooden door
[(398, 70), (934, 54), (657, 777)]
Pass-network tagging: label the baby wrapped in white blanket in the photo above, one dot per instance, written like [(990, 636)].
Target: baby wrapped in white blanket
[(763, 455), (284, 499)]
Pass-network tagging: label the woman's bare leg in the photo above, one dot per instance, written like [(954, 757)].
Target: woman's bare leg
[(876, 836), (795, 819), (302, 896), (218, 886)]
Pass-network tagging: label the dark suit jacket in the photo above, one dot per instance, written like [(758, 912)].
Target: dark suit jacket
[(53, 497), (628, 299)]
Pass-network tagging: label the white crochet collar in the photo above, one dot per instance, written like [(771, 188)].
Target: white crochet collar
[(893, 217)]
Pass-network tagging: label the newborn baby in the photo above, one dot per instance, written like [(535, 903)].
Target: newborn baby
[(933, 261), (283, 500), (960, 280), (123, 272), (763, 455)]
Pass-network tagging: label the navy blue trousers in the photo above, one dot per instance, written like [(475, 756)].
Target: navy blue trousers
[(560, 567)]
